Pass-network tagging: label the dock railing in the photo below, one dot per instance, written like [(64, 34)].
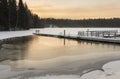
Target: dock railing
[(103, 33)]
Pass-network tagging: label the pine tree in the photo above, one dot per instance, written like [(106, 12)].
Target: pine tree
[(36, 21), (29, 16), (22, 16), (1, 15), (9, 13), (4, 15), (13, 17), (13, 13)]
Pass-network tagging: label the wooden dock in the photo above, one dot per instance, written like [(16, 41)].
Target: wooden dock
[(95, 36)]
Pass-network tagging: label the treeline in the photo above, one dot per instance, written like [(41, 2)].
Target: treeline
[(15, 16), (50, 22)]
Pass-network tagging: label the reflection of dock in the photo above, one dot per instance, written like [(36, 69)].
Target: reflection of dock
[(108, 36)]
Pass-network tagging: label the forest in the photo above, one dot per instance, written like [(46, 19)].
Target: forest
[(17, 16), (51, 22)]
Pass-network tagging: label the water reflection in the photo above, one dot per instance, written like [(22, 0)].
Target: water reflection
[(47, 47), (41, 48), (48, 52)]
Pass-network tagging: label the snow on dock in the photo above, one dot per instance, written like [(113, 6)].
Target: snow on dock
[(111, 35)]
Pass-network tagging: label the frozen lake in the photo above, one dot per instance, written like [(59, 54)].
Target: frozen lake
[(56, 56)]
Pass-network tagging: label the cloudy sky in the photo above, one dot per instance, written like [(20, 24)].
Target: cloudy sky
[(75, 9)]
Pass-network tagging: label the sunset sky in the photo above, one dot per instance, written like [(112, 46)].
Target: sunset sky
[(75, 9)]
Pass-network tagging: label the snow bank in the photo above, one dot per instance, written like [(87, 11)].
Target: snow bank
[(112, 67), (93, 75), (4, 69), (110, 71), (10, 34)]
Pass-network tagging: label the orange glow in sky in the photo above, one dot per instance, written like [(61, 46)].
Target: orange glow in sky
[(75, 9)]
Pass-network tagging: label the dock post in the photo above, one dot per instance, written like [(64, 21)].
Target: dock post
[(115, 35), (87, 32), (64, 36), (79, 34), (83, 33), (98, 34), (38, 31), (91, 33), (103, 34), (64, 33)]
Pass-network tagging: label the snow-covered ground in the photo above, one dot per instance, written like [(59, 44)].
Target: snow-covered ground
[(110, 70), (10, 34)]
